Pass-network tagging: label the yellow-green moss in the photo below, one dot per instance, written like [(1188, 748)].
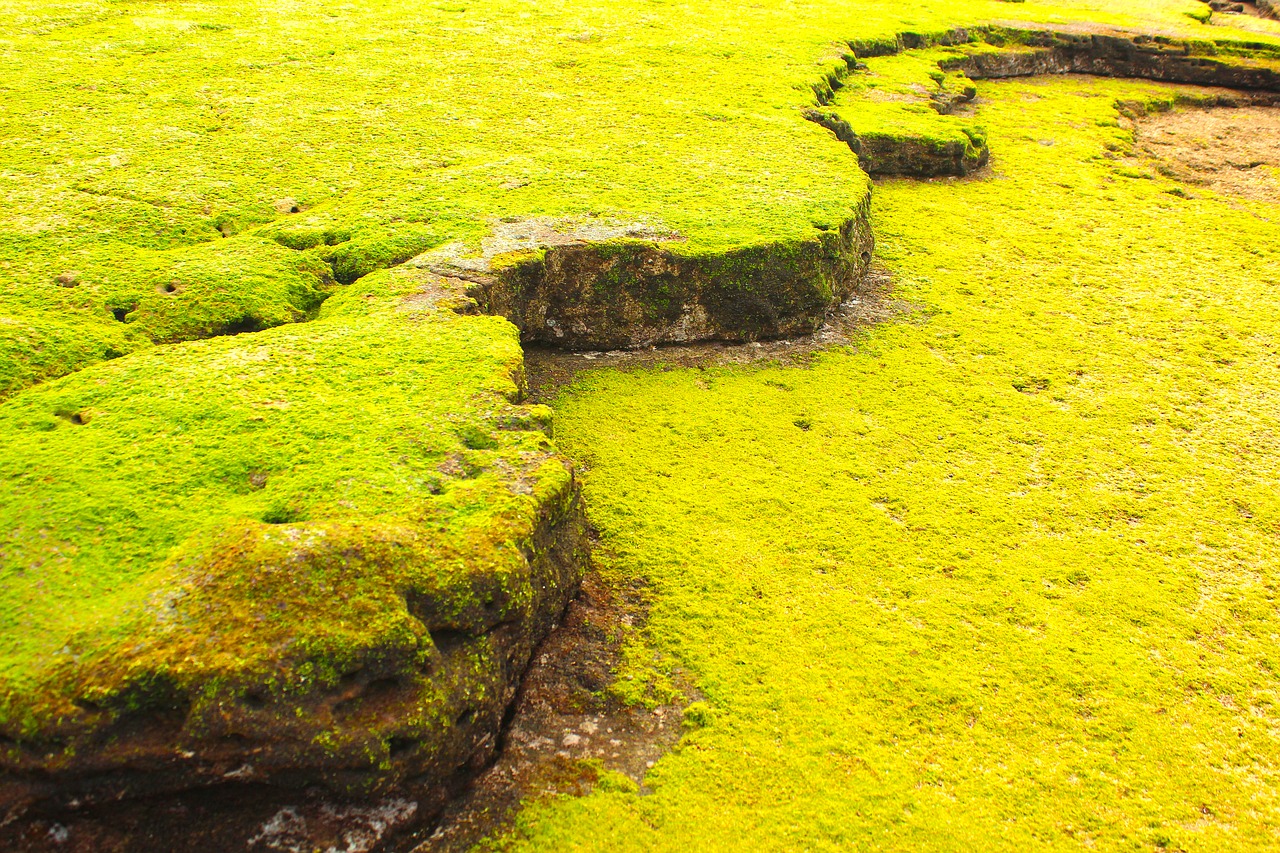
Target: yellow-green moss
[(1014, 585), (136, 134), (156, 482), (182, 170)]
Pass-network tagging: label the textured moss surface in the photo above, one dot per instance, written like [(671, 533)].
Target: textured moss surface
[(152, 502), (1001, 576), (137, 134), (186, 171)]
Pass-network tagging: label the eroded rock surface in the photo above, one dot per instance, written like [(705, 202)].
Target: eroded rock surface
[(598, 286)]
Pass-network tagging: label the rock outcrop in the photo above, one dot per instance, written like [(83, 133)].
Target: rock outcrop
[(597, 287), (917, 133)]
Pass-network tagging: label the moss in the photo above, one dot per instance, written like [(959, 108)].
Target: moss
[(144, 133), (1013, 585), (148, 498), (177, 171)]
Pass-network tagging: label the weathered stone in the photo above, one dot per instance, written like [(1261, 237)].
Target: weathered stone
[(1116, 55), (357, 651), (590, 287)]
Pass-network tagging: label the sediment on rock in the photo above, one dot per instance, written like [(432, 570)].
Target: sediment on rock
[(593, 288), (1232, 152)]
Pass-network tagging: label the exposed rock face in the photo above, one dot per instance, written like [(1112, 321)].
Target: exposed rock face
[(1117, 55), (921, 158), (883, 155), (608, 287)]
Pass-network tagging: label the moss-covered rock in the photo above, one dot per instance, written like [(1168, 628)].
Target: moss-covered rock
[(905, 110), (236, 550), (319, 554)]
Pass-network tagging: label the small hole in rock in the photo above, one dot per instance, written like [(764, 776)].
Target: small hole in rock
[(465, 718), (866, 257), (122, 314), (401, 745), (381, 687), (294, 209), (447, 639), (255, 700)]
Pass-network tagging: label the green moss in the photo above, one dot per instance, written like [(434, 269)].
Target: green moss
[(140, 133), (149, 498), (177, 171), (1013, 585)]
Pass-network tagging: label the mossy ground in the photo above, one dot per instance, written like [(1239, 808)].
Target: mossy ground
[(1001, 576), (183, 170), (157, 151)]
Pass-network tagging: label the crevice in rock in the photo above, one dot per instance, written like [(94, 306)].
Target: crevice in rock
[(565, 730)]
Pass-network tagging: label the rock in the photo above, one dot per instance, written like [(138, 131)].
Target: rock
[(1117, 54), (587, 286), (68, 279)]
